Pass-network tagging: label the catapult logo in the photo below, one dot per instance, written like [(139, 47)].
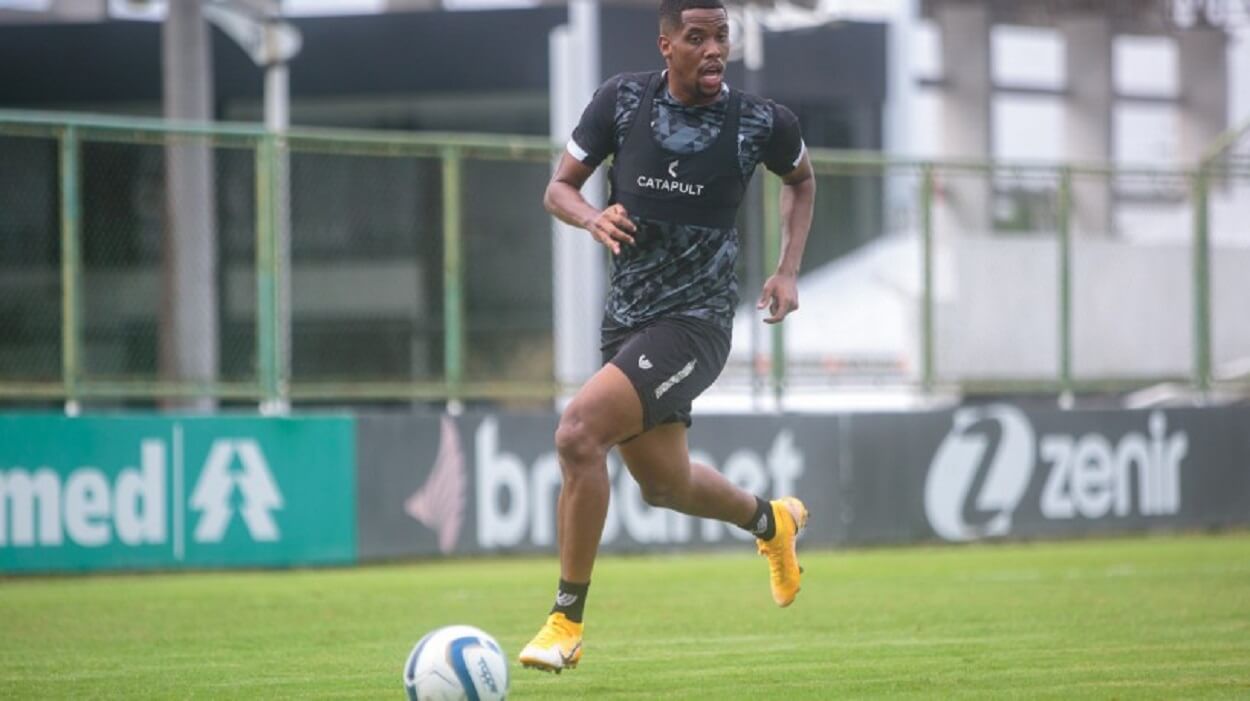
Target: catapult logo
[(974, 487), (672, 184)]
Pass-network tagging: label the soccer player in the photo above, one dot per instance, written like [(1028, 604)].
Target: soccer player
[(685, 145)]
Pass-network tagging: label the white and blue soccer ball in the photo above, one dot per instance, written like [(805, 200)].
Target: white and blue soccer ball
[(455, 663)]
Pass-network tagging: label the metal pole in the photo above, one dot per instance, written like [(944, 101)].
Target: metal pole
[(71, 269), (267, 330), (277, 97), (1065, 286), (927, 373), (772, 256), (453, 279), (1202, 284), (277, 122)]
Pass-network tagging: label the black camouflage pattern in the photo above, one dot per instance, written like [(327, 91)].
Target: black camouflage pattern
[(681, 269), (683, 129)]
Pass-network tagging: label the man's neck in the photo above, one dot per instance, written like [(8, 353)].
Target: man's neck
[(694, 101)]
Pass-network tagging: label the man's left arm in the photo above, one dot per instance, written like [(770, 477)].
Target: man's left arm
[(780, 294)]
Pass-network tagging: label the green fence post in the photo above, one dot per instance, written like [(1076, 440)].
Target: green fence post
[(1202, 283), (453, 277), (266, 277), (927, 371), (772, 257), (71, 266), (1065, 283)]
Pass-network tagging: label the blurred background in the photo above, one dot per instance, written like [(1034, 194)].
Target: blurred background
[(1036, 200), (277, 291)]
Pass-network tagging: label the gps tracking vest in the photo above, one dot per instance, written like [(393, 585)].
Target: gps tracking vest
[(701, 189)]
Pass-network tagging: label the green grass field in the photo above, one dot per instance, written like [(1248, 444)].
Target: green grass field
[(1129, 619)]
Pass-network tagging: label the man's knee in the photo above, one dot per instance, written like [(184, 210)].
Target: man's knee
[(576, 443)]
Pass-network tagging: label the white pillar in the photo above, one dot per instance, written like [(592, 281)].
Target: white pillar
[(1204, 89), (188, 336), (965, 108), (1088, 116), (578, 260), (901, 89)]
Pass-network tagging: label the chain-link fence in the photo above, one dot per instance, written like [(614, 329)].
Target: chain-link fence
[(145, 261), (30, 284)]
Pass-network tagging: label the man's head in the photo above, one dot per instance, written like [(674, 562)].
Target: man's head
[(670, 11), (694, 40)]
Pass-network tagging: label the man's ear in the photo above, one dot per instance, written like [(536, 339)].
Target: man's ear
[(666, 46)]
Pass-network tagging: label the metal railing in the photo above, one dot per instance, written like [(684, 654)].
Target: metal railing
[(95, 157)]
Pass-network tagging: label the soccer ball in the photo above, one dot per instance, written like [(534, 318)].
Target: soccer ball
[(456, 662)]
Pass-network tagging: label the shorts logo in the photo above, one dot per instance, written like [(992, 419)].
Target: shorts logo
[(681, 375), (672, 169), (644, 363)]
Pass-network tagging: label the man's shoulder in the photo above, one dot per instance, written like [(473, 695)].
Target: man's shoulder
[(756, 103), (630, 81), (757, 112), (763, 112)]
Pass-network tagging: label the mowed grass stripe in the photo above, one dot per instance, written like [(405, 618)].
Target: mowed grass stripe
[(1154, 617)]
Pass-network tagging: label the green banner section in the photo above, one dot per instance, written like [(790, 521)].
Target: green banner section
[(124, 492)]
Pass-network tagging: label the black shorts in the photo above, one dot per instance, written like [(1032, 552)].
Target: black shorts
[(670, 361)]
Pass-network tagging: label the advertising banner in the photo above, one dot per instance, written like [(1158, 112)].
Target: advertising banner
[(1000, 471), (433, 485), (488, 483), (126, 492)]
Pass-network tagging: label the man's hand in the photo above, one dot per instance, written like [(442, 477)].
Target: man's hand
[(780, 295), (612, 227)]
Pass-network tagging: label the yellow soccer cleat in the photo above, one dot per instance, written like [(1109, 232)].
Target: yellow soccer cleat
[(783, 562), (557, 646)]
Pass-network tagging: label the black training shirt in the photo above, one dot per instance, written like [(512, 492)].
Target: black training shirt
[(679, 269)]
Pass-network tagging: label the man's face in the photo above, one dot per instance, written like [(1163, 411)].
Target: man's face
[(696, 53)]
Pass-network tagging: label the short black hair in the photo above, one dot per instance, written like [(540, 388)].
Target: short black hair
[(670, 10)]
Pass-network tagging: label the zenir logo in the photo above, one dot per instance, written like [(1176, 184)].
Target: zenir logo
[(962, 456), (974, 485)]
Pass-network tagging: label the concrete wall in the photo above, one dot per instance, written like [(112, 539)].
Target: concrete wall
[(1132, 308)]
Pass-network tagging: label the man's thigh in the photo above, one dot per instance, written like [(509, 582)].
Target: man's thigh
[(606, 408)]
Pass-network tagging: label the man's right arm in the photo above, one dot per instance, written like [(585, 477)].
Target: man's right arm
[(563, 198), (593, 140)]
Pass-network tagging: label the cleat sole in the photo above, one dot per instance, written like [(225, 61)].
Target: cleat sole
[(547, 668)]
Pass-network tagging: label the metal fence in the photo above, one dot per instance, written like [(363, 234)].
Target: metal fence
[(332, 265)]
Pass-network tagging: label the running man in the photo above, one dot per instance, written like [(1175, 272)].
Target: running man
[(685, 145)]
